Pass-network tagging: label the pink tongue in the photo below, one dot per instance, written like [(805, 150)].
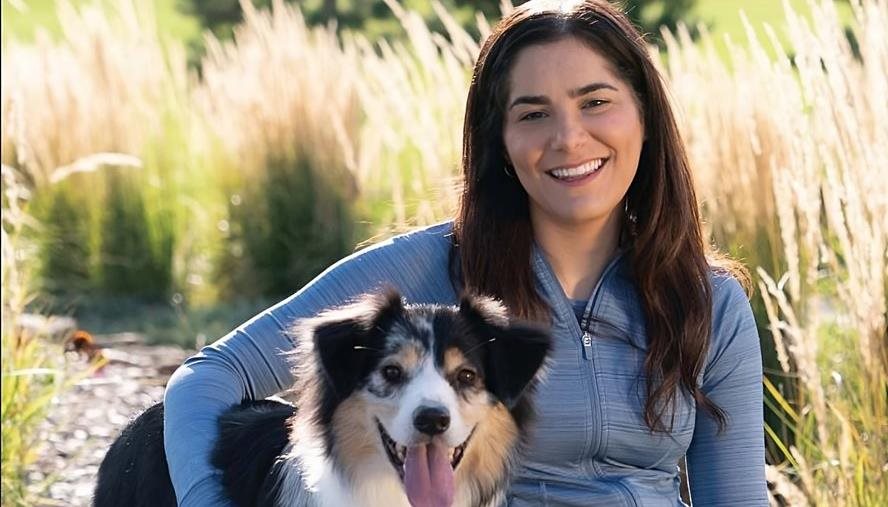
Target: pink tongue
[(428, 476)]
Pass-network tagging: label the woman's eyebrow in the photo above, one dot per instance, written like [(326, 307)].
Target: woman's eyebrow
[(577, 92)]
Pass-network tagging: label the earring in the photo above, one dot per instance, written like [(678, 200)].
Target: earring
[(631, 217), (509, 170)]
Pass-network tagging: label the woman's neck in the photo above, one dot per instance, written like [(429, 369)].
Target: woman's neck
[(578, 253)]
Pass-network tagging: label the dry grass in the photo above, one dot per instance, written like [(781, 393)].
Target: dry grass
[(790, 154), (104, 89), (280, 89)]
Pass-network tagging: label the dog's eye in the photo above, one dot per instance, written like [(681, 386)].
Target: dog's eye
[(393, 374), (466, 377)]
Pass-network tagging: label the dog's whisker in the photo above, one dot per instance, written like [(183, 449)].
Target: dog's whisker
[(481, 344)]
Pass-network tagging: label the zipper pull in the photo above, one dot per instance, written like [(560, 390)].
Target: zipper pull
[(587, 345)]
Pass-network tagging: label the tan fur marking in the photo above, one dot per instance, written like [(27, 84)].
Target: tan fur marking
[(355, 435), (490, 452), (409, 356), (453, 359)]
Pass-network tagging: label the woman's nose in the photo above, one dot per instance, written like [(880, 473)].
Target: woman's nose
[(569, 134)]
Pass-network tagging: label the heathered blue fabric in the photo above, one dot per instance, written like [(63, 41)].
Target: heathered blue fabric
[(590, 444)]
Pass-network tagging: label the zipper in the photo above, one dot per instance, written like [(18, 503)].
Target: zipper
[(584, 322), (587, 345), (596, 410), (594, 417)]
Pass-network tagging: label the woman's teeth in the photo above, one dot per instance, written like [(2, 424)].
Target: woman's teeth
[(572, 173)]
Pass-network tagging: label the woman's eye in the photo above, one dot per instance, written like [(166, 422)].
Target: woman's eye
[(593, 103), (393, 374), (466, 377), (536, 115)]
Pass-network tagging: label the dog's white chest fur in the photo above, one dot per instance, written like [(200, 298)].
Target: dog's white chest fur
[(378, 487)]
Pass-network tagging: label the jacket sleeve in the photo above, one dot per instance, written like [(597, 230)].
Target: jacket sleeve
[(728, 468), (248, 362)]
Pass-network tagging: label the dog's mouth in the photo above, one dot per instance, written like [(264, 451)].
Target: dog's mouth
[(397, 453)]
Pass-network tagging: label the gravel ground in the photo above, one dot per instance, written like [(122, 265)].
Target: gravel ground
[(85, 419)]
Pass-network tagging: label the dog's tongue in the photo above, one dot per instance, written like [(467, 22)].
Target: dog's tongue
[(428, 476)]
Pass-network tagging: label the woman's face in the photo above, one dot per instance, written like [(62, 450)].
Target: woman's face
[(573, 132)]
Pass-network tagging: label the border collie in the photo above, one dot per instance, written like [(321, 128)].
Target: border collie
[(398, 405)]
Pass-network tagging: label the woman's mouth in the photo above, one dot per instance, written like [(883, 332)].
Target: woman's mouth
[(578, 173)]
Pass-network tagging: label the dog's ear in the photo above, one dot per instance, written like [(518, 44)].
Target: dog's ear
[(348, 339), (515, 351)]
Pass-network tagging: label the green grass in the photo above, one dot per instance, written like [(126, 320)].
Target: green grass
[(22, 19), (723, 17)]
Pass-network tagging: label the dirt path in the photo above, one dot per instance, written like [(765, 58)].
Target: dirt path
[(84, 420)]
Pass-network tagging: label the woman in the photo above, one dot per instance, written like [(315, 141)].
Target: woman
[(578, 210)]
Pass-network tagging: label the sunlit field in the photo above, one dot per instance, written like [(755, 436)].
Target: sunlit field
[(128, 172)]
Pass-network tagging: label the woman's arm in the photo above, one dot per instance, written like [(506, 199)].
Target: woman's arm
[(729, 468), (247, 363)]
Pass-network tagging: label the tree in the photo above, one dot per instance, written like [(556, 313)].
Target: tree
[(375, 18), (650, 15), (372, 16)]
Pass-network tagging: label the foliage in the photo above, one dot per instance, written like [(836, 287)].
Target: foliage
[(31, 359), (791, 164), (30, 380), (130, 260), (652, 15), (373, 18), (288, 228)]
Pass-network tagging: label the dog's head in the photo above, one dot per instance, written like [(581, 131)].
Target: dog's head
[(435, 394)]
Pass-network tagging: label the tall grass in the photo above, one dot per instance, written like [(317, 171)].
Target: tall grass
[(791, 157), (33, 368), (280, 104), (412, 94), (291, 133), (28, 377), (108, 87)]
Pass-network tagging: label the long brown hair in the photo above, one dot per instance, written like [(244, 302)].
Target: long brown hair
[(661, 225)]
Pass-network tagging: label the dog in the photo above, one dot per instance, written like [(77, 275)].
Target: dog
[(396, 405)]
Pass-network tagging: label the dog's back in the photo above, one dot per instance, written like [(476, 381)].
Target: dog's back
[(251, 439), (134, 472)]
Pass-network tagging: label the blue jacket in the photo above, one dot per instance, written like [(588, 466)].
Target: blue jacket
[(591, 445)]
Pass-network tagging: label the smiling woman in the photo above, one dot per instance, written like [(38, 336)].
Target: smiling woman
[(578, 211), (573, 146)]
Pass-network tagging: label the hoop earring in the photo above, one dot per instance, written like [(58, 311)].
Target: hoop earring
[(509, 170)]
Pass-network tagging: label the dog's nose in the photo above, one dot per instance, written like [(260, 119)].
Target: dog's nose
[(431, 420)]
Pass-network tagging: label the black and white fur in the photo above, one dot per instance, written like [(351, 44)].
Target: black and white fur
[(377, 382)]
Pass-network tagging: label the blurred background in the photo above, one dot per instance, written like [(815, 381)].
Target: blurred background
[(171, 167)]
